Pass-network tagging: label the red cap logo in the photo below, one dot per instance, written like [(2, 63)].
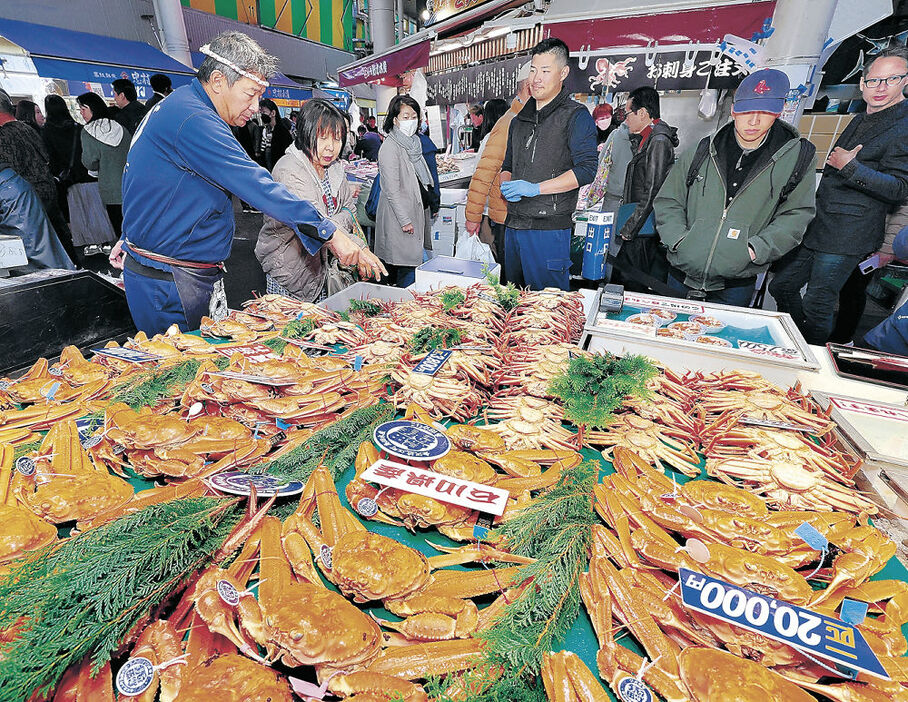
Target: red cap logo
[(762, 88)]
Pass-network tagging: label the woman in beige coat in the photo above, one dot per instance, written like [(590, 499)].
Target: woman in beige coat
[(403, 220), (311, 170)]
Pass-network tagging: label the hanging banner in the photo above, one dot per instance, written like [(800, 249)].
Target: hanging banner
[(476, 83), (385, 68), (672, 70), (442, 9)]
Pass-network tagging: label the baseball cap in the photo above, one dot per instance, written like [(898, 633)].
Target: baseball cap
[(762, 91), (900, 245)]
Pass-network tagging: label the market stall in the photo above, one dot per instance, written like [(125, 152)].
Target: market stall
[(453, 491)]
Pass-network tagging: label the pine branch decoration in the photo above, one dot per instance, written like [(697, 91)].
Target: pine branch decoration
[(593, 388), (451, 299), (83, 596), (431, 338)]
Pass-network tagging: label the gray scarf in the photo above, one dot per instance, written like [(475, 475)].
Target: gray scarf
[(413, 146)]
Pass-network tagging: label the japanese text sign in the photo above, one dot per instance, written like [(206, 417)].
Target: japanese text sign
[(124, 354), (870, 408), (257, 353), (806, 631), (433, 361), (443, 488)]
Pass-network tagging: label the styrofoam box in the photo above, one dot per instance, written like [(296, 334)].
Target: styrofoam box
[(445, 270), (12, 252), (453, 196), (364, 291), (443, 248)]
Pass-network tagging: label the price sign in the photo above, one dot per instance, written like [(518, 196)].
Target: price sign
[(665, 303), (124, 354), (251, 378), (870, 408), (433, 362), (812, 633), (782, 353), (256, 352)]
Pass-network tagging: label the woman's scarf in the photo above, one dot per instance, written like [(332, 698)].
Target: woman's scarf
[(413, 146)]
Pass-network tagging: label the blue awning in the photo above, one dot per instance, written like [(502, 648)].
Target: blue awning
[(281, 87), (91, 58)]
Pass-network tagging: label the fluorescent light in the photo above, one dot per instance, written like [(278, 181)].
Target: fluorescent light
[(425, 15)]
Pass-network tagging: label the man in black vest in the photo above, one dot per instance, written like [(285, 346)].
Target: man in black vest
[(551, 153)]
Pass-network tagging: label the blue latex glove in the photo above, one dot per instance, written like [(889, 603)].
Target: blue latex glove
[(514, 190)]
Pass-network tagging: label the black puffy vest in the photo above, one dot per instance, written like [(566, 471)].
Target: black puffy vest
[(540, 151)]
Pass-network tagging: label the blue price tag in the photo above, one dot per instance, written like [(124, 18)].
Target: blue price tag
[(812, 537), (411, 440), (853, 612), (358, 363), (53, 390), (812, 633), (281, 424), (433, 362)]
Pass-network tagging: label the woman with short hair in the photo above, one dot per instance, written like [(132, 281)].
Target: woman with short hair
[(402, 222), (311, 170)]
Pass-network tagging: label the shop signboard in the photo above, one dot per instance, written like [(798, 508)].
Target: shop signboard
[(613, 71), (443, 9)]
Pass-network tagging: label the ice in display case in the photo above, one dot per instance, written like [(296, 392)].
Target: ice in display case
[(701, 336)]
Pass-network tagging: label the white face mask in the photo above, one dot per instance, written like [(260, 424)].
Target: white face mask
[(408, 126), (604, 124)]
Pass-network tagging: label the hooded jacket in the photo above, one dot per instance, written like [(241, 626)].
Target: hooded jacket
[(105, 144), (543, 144), (646, 172), (708, 241)]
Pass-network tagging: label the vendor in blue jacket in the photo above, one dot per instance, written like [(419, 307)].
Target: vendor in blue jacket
[(183, 165), (891, 335)]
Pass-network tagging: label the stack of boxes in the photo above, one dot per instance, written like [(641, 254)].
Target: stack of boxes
[(823, 130), (451, 220)]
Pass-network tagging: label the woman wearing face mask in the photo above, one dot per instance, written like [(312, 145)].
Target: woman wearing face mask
[(402, 222), (605, 123), (273, 138), (312, 171)]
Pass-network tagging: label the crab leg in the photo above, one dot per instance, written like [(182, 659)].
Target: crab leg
[(419, 661)]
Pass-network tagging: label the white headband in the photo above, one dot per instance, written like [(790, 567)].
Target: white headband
[(230, 64)]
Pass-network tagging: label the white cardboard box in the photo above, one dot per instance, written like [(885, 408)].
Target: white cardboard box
[(12, 252), (445, 270)]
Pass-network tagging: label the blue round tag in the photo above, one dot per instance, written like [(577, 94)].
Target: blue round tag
[(228, 593), (26, 465), (237, 483), (411, 440), (634, 690), (367, 507), (90, 442), (135, 676)]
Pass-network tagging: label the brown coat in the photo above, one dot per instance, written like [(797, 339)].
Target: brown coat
[(485, 186)]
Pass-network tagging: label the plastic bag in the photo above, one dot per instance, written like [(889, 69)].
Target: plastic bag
[(470, 248)]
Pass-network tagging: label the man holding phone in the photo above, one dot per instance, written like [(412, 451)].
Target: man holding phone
[(866, 175)]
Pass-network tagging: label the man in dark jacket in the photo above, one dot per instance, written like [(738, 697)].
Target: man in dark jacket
[(131, 110), (273, 138), (161, 86), (653, 143), (368, 144), (551, 153), (729, 225), (865, 176)]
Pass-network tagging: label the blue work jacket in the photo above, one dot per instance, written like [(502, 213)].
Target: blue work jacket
[(183, 165)]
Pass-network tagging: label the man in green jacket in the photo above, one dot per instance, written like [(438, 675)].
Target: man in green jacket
[(730, 222)]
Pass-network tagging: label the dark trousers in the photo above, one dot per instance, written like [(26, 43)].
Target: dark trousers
[(115, 212), (153, 304), (825, 275), (538, 258), (852, 301), (400, 276), (61, 227)]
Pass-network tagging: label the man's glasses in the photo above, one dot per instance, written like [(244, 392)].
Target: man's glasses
[(891, 80)]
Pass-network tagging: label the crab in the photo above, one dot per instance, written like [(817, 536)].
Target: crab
[(761, 404), (68, 486), (790, 484), (439, 395), (20, 530), (531, 428), (648, 440)]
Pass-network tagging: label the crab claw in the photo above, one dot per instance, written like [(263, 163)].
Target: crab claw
[(472, 553)]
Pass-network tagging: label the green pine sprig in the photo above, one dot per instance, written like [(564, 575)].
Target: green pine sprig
[(451, 299), (82, 596), (295, 329), (593, 388), (508, 295), (150, 387), (431, 338), (556, 530), (364, 308), (330, 446)]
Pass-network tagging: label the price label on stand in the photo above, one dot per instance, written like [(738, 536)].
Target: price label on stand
[(815, 634), (412, 441), (433, 362), (124, 354)]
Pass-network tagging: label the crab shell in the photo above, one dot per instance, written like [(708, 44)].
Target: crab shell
[(712, 674), (22, 531), (360, 567), (233, 678)]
